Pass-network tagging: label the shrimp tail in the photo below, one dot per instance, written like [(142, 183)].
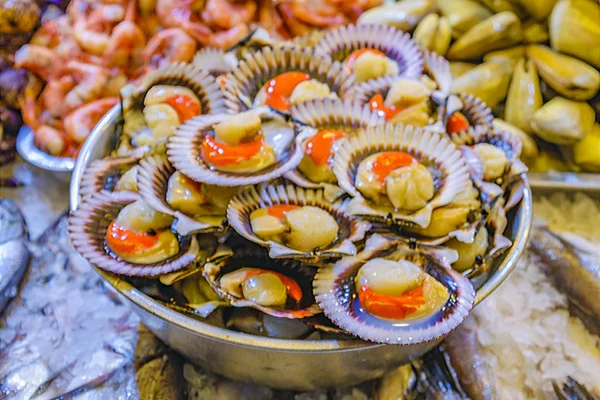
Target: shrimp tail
[(49, 139), (198, 31)]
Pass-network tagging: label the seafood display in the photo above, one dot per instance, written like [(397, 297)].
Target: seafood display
[(264, 192), (531, 63), (81, 58)]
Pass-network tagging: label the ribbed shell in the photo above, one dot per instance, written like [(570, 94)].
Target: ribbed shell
[(351, 228), (423, 145), (103, 174), (335, 292), (473, 108), (153, 183), (214, 61), (258, 258), (183, 151), (255, 69), (338, 43), (87, 231), (439, 69)]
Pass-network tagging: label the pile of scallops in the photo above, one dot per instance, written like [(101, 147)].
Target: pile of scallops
[(333, 183)]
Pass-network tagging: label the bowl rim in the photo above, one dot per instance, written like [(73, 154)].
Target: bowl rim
[(196, 327), (30, 153)]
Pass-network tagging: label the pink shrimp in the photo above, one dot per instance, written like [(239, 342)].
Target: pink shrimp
[(91, 81), (79, 123), (92, 32), (170, 45), (181, 14), (270, 19), (226, 39), (46, 137), (317, 13), (125, 39), (40, 60), (227, 14), (53, 95)]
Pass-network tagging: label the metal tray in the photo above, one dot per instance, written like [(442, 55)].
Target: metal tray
[(278, 363)]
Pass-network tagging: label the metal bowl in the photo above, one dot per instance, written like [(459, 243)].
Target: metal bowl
[(278, 363), (60, 167)]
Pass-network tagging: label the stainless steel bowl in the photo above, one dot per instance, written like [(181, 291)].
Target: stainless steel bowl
[(285, 364), (60, 167)]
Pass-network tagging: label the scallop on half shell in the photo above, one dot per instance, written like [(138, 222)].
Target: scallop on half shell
[(283, 76), (203, 148), (384, 44), (88, 230), (110, 174), (293, 222), (498, 154), (333, 118), (195, 207), (250, 278), (395, 293), (460, 112), (399, 173)]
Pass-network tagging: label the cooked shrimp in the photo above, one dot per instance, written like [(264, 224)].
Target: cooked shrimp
[(226, 13), (92, 32), (168, 46), (91, 81), (270, 19), (40, 60), (295, 26), (317, 12), (125, 39), (49, 139), (79, 123), (226, 39), (181, 14), (149, 25), (53, 95)]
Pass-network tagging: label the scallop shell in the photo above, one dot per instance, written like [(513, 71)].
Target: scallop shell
[(153, 182), (183, 151), (215, 61), (351, 229), (510, 144), (258, 258), (103, 174), (340, 42), (439, 69), (87, 231), (335, 293), (423, 145), (331, 114), (473, 108), (255, 69), (200, 82)]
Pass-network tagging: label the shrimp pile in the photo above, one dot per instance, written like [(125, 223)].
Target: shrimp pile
[(88, 54)]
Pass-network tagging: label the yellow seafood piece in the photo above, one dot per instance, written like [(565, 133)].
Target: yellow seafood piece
[(586, 152), (548, 161), (459, 68), (496, 32), (410, 188), (370, 65), (434, 33), (494, 160), (488, 81), (316, 173), (310, 228), (160, 93), (468, 252), (417, 115), (162, 119), (403, 15), (530, 148), (127, 181), (185, 195), (511, 55), (389, 277), (310, 90), (575, 29), (265, 289), (524, 96), (538, 9), (240, 128), (265, 225), (140, 217), (535, 32), (406, 92), (567, 75), (444, 220), (219, 196), (505, 5), (563, 121), (463, 14), (165, 247)]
